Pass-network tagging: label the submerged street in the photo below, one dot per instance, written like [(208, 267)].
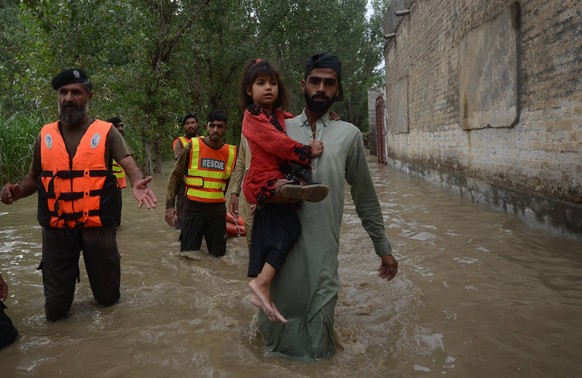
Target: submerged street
[(478, 294)]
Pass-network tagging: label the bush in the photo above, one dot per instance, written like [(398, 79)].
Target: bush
[(17, 136)]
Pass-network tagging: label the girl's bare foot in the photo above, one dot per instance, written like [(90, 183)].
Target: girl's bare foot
[(278, 316), (261, 296), (261, 299)]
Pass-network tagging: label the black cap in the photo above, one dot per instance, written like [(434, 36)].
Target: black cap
[(325, 60), (74, 75), (189, 115), (114, 120)]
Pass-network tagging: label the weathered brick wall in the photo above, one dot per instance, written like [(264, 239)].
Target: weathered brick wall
[(373, 93), (539, 156)]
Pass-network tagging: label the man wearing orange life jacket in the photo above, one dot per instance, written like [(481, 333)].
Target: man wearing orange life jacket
[(191, 126), (117, 169), (78, 198), (205, 167)]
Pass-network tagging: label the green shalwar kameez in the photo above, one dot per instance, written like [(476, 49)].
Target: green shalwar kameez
[(305, 290)]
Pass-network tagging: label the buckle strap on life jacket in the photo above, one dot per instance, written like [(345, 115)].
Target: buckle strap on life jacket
[(74, 173), (73, 216), (71, 196)]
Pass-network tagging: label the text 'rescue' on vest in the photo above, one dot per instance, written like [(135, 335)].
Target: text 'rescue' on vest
[(208, 170), (78, 192)]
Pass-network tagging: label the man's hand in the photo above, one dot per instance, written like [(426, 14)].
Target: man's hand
[(233, 205), (11, 193), (144, 194), (388, 267), (171, 217)]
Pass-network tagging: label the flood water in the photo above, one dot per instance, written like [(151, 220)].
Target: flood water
[(478, 294)]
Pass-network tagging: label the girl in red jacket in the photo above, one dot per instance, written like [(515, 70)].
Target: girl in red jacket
[(278, 178)]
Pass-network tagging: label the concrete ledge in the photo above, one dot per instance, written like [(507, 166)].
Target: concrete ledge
[(558, 217)]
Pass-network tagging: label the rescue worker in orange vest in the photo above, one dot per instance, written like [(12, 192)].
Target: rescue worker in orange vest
[(117, 169), (205, 167), (191, 127), (78, 199)]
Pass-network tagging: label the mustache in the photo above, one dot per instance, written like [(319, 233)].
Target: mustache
[(71, 114), (70, 105), (320, 96)]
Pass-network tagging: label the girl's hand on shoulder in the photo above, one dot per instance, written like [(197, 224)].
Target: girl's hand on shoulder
[(334, 116)]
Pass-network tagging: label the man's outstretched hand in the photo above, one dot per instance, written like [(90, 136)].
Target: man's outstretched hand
[(144, 194)]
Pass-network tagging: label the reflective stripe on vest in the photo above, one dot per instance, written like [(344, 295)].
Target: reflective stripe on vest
[(71, 191), (183, 141), (208, 170), (119, 174)]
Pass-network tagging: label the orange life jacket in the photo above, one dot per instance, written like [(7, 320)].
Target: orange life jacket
[(78, 192), (183, 141), (208, 171), (119, 174)]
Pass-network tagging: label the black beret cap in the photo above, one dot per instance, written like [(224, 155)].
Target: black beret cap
[(324, 60), (74, 75), (114, 120)]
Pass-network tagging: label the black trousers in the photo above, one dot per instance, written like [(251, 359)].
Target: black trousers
[(275, 231), (61, 250), (8, 332), (212, 228)]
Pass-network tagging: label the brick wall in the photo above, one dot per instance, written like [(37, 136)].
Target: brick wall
[(533, 166)]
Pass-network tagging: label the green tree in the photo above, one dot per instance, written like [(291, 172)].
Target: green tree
[(222, 41), (151, 61), (163, 88)]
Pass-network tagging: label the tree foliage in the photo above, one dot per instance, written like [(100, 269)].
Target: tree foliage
[(152, 61)]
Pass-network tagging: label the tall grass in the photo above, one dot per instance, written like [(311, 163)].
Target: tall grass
[(17, 136), (19, 132)]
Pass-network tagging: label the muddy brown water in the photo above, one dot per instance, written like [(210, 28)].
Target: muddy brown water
[(479, 294)]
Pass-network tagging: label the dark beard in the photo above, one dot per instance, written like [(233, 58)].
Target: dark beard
[(315, 106), (71, 116), (191, 135)]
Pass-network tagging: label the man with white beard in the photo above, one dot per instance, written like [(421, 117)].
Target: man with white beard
[(79, 204)]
